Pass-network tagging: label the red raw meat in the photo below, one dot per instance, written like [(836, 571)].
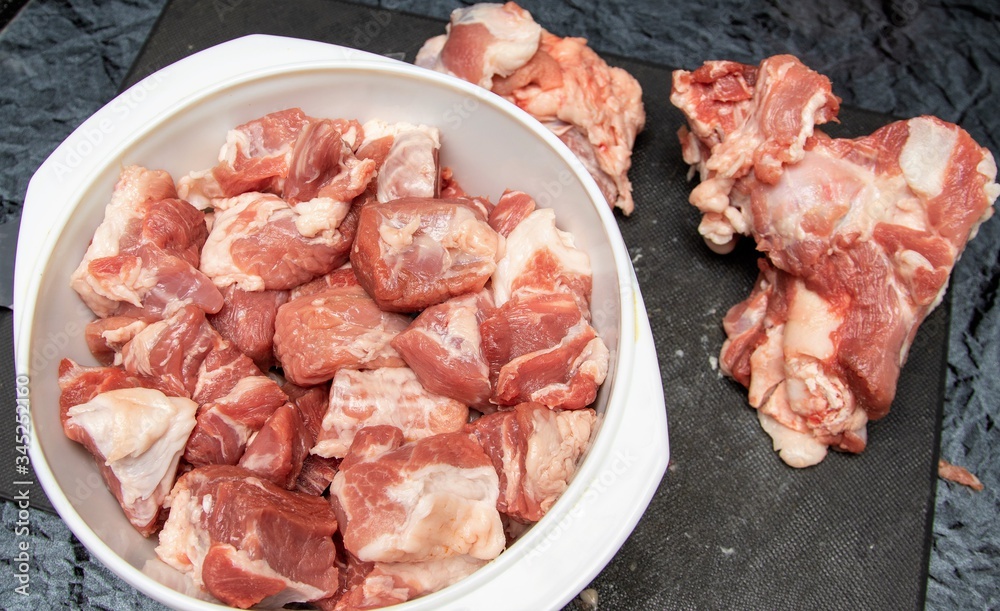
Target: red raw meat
[(535, 451), (135, 434), (385, 396), (277, 450), (249, 542), (407, 159), (431, 499), (412, 253), (443, 347), (512, 208), (860, 234), (247, 320), (145, 254), (541, 348), (316, 335)]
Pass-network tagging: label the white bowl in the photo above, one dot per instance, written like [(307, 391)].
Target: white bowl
[(175, 120)]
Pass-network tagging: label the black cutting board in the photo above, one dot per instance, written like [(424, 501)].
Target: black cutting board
[(731, 527)]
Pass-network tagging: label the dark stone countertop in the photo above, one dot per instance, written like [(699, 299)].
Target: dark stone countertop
[(61, 60)]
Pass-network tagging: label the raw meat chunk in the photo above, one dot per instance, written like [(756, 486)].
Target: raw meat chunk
[(107, 336), (541, 348), (247, 320), (338, 278), (745, 119), (286, 153), (316, 474), (535, 451), (412, 253), (249, 542), (145, 253), (381, 584), (595, 109), (430, 499), (256, 243), (407, 158), (513, 207), (137, 436), (860, 234), (312, 401), (443, 347), (540, 259), (172, 350), (277, 450), (389, 396), (316, 335)]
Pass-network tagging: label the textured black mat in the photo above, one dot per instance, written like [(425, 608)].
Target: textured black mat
[(731, 526)]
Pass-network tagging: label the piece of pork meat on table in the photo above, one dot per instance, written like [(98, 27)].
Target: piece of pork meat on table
[(249, 542), (594, 108), (860, 234), (413, 253), (143, 259)]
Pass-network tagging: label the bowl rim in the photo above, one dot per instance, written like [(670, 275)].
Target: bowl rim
[(31, 269)]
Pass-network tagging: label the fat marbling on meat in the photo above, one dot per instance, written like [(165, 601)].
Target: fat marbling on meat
[(248, 541), (860, 234), (594, 108), (143, 259), (430, 499)]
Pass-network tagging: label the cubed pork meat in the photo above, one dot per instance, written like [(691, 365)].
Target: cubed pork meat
[(406, 156), (382, 584), (535, 451), (431, 499), (443, 347), (144, 256), (386, 396), (317, 335), (247, 320), (413, 253), (249, 542)]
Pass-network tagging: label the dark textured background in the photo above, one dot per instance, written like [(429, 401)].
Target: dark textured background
[(59, 61)]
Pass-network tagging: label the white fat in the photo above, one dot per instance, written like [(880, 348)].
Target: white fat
[(516, 33), (318, 215), (399, 238), (810, 326), (449, 511), (557, 440), (141, 433), (925, 155), (216, 258), (795, 448), (536, 232)]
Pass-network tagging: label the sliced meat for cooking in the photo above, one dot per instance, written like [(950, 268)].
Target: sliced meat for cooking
[(390, 396), (443, 347), (407, 158), (541, 348), (861, 236), (595, 108), (145, 253), (137, 436), (430, 499), (316, 335), (413, 253), (390, 583), (312, 401), (256, 243), (338, 278), (744, 119), (535, 451), (540, 259), (249, 542), (277, 450), (247, 320)]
